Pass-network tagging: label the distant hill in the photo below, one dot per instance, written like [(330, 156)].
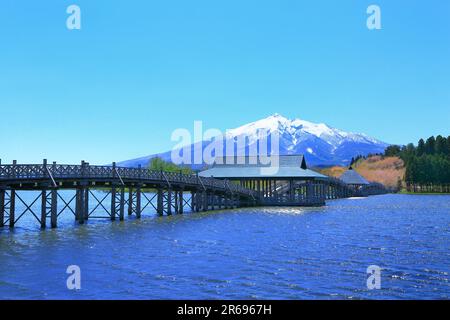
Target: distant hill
[(385, 170), (320, 143)]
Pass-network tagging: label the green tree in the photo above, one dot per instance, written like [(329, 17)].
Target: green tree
[(448, 146), (440, 146), (421, 147), (159, 164), (430, 145), (392, 151)]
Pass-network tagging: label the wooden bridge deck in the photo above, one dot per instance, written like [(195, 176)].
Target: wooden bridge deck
[(169, 190), (134, 189)]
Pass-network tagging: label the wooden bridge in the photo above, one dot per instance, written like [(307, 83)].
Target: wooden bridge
[(135, 189), (131, 189)]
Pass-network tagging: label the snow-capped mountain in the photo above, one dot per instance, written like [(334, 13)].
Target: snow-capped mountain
[(320, 143)]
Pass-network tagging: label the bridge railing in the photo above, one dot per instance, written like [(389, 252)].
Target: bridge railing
[(15, 171)]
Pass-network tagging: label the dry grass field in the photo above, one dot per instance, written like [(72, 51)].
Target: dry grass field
[(385, 170)]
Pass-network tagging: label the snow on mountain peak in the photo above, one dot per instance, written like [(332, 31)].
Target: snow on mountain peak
[(299, 130), (320, 143)]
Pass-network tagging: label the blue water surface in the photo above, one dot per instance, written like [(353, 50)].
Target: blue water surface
[(251, 253)]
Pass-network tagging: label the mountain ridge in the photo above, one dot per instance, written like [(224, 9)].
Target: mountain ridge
[(320, 143)]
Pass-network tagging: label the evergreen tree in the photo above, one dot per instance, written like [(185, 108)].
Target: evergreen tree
[(421, 147), (392, 151), (440, 146), (448, 145), (430, 145)]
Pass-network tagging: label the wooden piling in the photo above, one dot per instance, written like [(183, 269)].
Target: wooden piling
[(138, 202), (169, 202), (160, 202), (43, 208), (181, 202), (54, 208), (113, 203), (204, 201), (130, 200), (2, 206), (122, 204), (12, 208), (86, 203)]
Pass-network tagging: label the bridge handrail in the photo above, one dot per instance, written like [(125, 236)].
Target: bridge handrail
[(87, 171)]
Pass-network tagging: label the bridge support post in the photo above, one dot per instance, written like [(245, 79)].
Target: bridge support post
[(43, 208), (86, 203), (212, 198), (192, 201), (54, 208), (197, 201), (291, 191), (309, 192), (169, 202), (219, 201), (80, 205), (181, 202), (2, 206), (159, 203), (12, 208), (113, 203), (130, 201), (205, 201), (175, 195), (138, 202), (122, 204)]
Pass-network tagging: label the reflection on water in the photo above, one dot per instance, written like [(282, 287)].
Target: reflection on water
[(273, 253)]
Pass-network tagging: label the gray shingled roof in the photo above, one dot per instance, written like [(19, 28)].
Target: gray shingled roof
[(291, 166), (352, 177)]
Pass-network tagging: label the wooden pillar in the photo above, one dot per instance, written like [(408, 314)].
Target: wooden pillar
[(181, 202), (226, 201), (198, 203), (54, 208), (86, 203), (213, 200), (175, 193), (160, 203), (192, 201), (270, 188), (138, 202), (113, 203), (309, 192), (205, 201), (219, 201), (80, 205), (130, 200), (2, 206), (266, 188), (291, 190), (258, 187), (122, 204), (12, 208), (169, 202), (43, 208)]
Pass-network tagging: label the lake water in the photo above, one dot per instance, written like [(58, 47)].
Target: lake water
[(251, 253)]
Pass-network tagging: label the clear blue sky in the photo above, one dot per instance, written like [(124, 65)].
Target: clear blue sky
[(137, 70)]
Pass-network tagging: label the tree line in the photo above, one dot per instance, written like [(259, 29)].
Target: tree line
[(159, 164), (427, 164)]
